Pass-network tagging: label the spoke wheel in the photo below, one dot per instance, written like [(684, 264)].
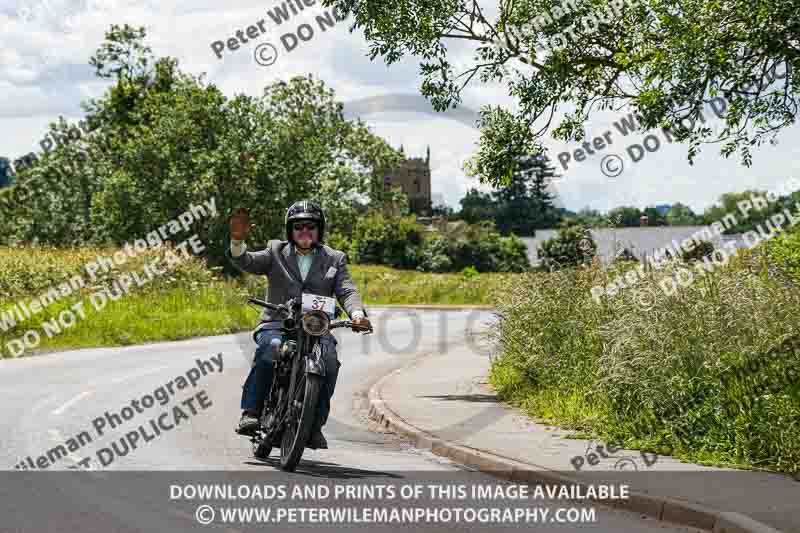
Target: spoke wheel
[(300, 421)]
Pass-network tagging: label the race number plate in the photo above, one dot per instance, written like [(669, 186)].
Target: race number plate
[(314, 302)]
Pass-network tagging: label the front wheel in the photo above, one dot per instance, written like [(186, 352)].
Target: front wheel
[(298, 427)]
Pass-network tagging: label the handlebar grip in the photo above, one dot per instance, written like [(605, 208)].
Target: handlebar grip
[(362, 328)]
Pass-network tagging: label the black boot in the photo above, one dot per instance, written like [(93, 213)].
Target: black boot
[(248, 424), (317, 440)]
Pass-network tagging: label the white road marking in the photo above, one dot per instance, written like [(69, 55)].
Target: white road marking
[(139, 374), (72, 401)]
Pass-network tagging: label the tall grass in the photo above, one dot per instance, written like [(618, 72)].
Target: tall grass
[(709, 373), (188, 301)]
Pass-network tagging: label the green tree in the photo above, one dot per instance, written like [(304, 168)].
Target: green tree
[(380, 240), (166, 140), (443, 210), (628, 217), (480, 246), (591, 218), (6, 172), (524, 204), (654, 216), (729, 203), (663, 59), (477, 207), (573, 245), (681, 215)]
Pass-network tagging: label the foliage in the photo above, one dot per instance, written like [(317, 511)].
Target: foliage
[(469, 272), (523, 203), (380, 240), (166, 140), (666, 376), (6, 172), (783, 251), (482, 247), (402, 243), (191, 300), (697, 252), (681, 215), (520, 204), (434, 255), (628, 217), (626, 254), (654, 216), (442, 210), (663, 59), (477, 206), (573, 245), (747, 220), (591, 218)]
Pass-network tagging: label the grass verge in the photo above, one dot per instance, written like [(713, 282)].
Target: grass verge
[(709, 373), (187, 301)]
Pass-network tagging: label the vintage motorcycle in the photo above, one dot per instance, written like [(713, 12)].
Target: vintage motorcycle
[(299, 367)]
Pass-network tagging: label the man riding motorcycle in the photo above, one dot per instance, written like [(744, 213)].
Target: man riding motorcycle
[(300, 264)]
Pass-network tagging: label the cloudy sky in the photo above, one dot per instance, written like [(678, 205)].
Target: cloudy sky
[(45, 46)]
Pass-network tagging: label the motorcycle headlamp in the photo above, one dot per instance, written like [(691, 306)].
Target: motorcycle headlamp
[(316, 323)]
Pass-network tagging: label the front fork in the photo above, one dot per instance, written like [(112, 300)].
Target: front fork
[(313, 363)]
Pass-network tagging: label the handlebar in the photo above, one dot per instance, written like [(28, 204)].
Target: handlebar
[(350, 324), (281, 308), (335, 324)]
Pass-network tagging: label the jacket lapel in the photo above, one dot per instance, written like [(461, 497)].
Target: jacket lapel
[(290, 257), (317, 262)]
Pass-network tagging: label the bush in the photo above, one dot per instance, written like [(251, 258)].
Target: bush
[(572, 246), (469, 272), (783, 251), (698, 252), (625, 254), (379, 240), (433, 257), (482, 247), (402, 243), (338, 241)]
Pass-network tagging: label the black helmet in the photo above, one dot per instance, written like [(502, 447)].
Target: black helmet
[(305, 210)]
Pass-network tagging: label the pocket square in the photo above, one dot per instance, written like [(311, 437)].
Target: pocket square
[(330, 273)]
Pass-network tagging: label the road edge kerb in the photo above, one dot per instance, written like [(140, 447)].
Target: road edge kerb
[(661, 508)]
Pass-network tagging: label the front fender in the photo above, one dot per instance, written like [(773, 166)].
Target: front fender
[(315, 363)]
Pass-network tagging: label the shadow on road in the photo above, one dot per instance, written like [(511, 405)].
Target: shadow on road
[(322, 469)]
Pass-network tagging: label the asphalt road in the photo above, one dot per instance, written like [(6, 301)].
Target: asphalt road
[(183, 430)]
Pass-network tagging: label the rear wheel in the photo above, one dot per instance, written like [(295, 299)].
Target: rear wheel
[(298, 427)]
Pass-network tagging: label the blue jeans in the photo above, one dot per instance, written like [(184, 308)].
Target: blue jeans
[(258, 382)]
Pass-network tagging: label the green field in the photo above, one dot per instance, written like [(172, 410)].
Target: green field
[(186, 302)]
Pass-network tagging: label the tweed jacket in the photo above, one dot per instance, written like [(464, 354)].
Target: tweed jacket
[(328, 276)]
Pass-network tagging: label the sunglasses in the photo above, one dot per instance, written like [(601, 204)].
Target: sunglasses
[(300, 226)]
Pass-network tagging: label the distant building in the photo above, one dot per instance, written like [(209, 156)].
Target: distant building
[(413, 176)]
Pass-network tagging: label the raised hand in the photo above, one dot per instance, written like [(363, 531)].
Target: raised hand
[(240, 224)]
